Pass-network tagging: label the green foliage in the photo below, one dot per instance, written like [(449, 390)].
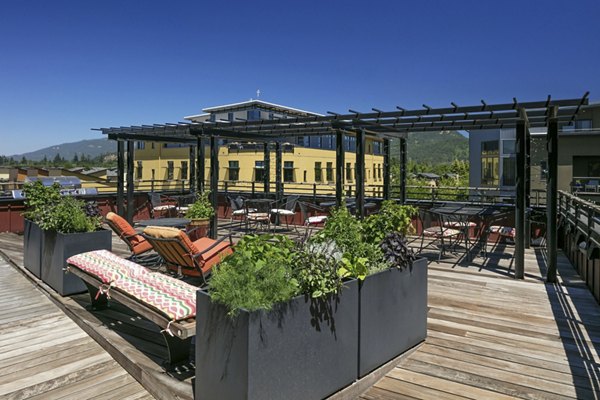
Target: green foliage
[(354, 266), (396, 251), (316, 269), (391, 217), (201, 208), (257, 275), (54, 212)]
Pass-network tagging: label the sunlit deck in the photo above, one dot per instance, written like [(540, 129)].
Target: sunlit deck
[(489, 336)]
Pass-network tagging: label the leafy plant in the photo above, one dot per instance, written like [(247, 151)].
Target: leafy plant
[(391, 217), (40, 199), (354, 267), (257, 275), (396, 251), (201, 208), (316, 269)]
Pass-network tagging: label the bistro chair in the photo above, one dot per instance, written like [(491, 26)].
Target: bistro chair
[(238, 209), (433, 229), (461, 223), (258, 214), (138, 245), (162, 205), (183, 204), (500, 225), (184, 257), (313, 216), (287, 210)]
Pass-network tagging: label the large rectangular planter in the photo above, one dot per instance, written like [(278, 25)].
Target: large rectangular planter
[(393, 314), (60, 246), (33, 247), (302, 349)]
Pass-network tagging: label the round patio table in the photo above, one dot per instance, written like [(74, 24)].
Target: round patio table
[(172, 222)]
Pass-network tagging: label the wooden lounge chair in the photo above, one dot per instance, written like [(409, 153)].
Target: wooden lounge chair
[(138, 245), (184, 257)]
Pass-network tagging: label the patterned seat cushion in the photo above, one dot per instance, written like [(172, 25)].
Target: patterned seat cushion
[(282, 211), (436, 231), (503, 230), (106, 266), (317, 219), (126, 232)]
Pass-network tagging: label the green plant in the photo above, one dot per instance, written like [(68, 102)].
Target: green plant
[(201, 208), (391, 217), (40, 199), (316, 269), (257, 275), (396, 251)]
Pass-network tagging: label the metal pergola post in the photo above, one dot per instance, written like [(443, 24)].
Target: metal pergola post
[(527, 189), (120, 177), (192, 169), (360, 173), (214, 184), (201, 162), (339, 166), (267, 168), (402, 170), (386, 169), (278, 171), (552, 196), (130, 187), (521, 128)]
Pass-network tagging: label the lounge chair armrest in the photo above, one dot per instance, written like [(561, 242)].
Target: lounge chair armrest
[(215, 244)]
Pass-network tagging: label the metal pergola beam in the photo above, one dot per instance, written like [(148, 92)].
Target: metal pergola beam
[(214, 184), (130, 187), (360, 174), (552, 197), (386, 168), (520, 200), (403, 171), (192, 169), (339, 167), (267, 168), (120, 177), (201, 162)]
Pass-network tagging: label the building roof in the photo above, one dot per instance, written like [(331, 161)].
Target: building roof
[(244, 105)]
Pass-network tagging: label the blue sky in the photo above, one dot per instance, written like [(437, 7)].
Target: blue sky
[(69, 66)]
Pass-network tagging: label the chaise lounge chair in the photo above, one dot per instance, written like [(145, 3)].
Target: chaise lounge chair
[(138, 245)]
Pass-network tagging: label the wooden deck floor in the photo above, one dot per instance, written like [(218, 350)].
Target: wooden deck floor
[(45, 355), (489, 336)]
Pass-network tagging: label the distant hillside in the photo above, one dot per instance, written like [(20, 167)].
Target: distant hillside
[(435, 147), (90, 148)]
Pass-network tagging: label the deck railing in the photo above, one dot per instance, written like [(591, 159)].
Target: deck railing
[(580, 234)]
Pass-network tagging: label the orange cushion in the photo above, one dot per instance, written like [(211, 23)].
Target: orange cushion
[(123, 229)]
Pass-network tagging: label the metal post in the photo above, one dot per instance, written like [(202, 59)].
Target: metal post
[(120, 177), (201, 161), (278, 170), (339, 167), (192, 169), (551, 197), (402, 170), (267, 170), (360, 173), (386, 169), (527, 188), (214, 183), (520, 201), (130, 187)]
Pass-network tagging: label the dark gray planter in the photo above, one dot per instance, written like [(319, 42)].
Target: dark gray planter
[(299, 350), (58, 247), (33, 247), (393, 314)]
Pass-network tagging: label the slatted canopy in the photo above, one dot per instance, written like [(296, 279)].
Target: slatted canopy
[(380, 124)]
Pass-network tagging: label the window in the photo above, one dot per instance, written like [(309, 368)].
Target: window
[(374, 173), (184, 170), (328, 142), (140, 145), (329, 172), (489, 163), (543, 170), (318, 172), (259, 171), (174, 145), (349, 172), (300, 140), (152, 145), (379, 170), (586, 166), (139, 169), (509, 146), (509, 171), (288, 171), (377, 148), (170, 170), (212, 117), (349, 143), (230, 116), (315, 142), (579, 125), (153, 174), (253, 115), (305, 176), (234, 170)]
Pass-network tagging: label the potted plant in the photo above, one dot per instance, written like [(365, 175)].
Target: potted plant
[(200, 212), (276, 323), (67, 228)]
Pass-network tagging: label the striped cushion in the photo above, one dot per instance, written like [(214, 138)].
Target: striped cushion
[(436, 231), (460, 224), (107, 266)]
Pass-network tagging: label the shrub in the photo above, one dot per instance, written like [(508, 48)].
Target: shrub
[(201, 208), (40, 199), (396, 251), (316, 267), (391, 217), (256, 276)]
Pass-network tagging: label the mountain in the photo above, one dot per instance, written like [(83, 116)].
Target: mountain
[(91, 148), (434, 147)]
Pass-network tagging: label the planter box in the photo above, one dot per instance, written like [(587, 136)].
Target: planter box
[(298, 350), (33, 247), (58, 247), (393, 314)]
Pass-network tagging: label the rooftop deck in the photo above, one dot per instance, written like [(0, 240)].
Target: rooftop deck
[(489, 336)]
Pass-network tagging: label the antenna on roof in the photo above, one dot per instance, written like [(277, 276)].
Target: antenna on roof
[(257, 93)]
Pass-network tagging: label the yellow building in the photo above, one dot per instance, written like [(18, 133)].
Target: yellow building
[(308, 163)]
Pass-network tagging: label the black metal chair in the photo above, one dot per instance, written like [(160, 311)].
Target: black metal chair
[(313, 216), (433, 229), (286, 210), (162, 205), (238, 210), (258, 214)]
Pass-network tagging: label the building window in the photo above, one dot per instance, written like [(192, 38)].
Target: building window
[(174, 145), (170, 170), (140, 145), (349, 172), (377, 148), (379, 170), (305, 176), (329, 172), (300, 140), (374, 172), (230, 116), (318, 172), (139, 170), (234, 170), (579, 125), (349, 143), (259, 171), (489, 163), (586, 166), (212, 117), (253, 115), (184, 170), (509, 171), (288, 171), (153, 174), (152, 145)]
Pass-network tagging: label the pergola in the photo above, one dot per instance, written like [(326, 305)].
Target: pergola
[(380, 124)]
